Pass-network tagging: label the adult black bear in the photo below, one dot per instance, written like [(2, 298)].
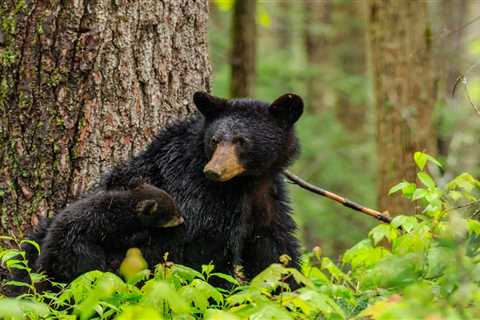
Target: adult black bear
[(94, 231), (223, 169)]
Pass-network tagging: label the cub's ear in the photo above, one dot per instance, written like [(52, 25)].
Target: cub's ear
[(287, 108), (147, 207), (207, 104)]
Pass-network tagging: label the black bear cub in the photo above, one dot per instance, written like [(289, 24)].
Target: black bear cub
[(89, 233)]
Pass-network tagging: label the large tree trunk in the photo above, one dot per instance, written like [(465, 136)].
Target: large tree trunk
[(244, 48), (400, 52), (85, 84)]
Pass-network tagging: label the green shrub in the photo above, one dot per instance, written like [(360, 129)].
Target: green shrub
[(423, 266)]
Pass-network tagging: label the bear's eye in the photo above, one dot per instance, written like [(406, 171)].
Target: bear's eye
[(214, 141), (240, 141)]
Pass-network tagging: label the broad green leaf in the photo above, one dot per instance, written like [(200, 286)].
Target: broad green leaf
[(383, 231), (226, 277), (420, 193), (22, 309), (139, 312), (271, 311), (158, 292), (336, 273), (398, 187), (420, 159), (407, 223), (409, 190), (426, 179), (207, 269), (212, 314)]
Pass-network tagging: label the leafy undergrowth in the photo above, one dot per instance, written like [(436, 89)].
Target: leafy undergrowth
[(423, 266)]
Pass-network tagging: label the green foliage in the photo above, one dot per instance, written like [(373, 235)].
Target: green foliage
[(423, 266)]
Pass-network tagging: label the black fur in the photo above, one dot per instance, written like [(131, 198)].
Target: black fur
[(94, 231), (246, 220)]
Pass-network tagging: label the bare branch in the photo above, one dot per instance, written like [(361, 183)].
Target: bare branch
[(383, 217)]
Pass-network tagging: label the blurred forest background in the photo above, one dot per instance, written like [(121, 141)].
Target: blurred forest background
[(320, 50)]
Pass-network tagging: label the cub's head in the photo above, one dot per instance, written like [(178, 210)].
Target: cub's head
[(245, 137), (155, 207)]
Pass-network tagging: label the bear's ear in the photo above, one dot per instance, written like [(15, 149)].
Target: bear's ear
[(287, 108), (147, 207), (208, 105)]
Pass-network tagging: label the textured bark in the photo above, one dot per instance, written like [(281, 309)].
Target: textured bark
[(400, 52), (89, 84), (317, 50), (244, 48)]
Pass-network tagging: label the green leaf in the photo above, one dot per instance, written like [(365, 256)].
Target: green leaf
[(398, 187), (271, 311), (139, 312), (420, 159), (419, 193), (383, 231), (22, 309), (212, 314), (226, 277), (336, 273), (33, 243), (207, 269), (407, 223), (426, 179)]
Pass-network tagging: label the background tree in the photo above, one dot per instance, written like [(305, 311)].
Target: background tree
[(84, 85), (244, 48), (400, 50), (317, 49)]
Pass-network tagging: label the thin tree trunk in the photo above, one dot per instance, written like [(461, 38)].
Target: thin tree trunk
[(450, 62), (350, 51), (317, 50), (85, 84), (400, 52), (244, 48), (284, 25)]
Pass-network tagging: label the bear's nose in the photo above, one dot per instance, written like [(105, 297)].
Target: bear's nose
[(211, 174)]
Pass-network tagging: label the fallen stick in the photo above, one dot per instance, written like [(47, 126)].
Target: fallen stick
[(383, 217)]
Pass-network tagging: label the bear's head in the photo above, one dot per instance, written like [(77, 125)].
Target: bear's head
[(245, 137), (155, 207)]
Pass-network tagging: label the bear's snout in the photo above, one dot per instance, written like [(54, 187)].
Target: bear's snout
[(224, 164)]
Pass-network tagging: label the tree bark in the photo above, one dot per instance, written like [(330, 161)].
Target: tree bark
[(400, 52), (84, 85), (317, 50), (244, 48)]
